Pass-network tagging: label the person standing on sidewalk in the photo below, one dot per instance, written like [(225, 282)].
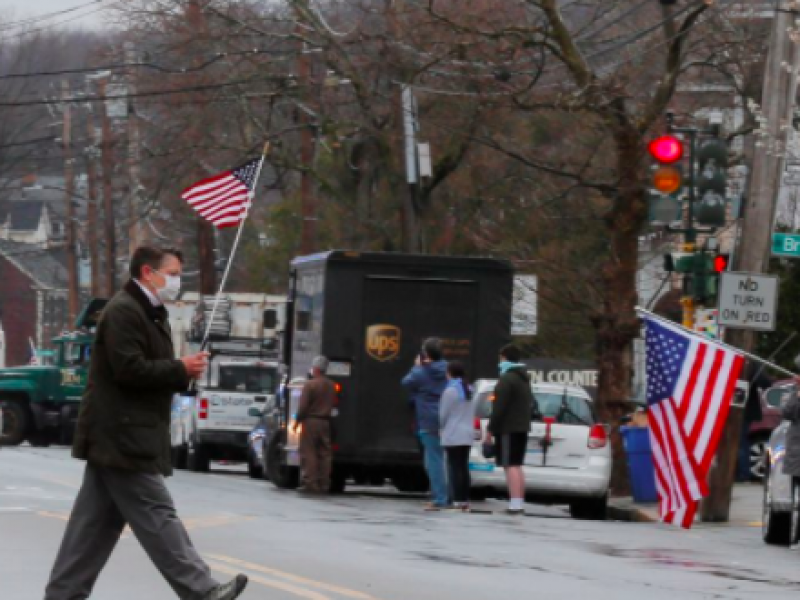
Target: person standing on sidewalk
[(457, 417), (123, 435), (314, 414), (510, 423), (426, 382)]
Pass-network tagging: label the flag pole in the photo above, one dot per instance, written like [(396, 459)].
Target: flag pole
[(234, 247), (753, 357)]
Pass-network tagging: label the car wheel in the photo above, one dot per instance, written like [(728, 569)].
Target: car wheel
[(590, 509), (197, 459), (758, 458), (283, 476), (254, 469), (179, 457), (775, 526)]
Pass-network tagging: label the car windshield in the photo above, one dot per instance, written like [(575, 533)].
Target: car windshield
[(567, 409), (247, 378)]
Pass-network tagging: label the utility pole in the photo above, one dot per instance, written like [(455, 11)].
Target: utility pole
[(108, 192), (308, 202), (198, 28), (69, 198), (780, 89), (135, 235), (91, 212), (408, 106)]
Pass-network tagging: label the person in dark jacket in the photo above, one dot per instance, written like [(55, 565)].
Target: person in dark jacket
[(426, 383), (753, 413), (510, 423), (791, 460), (123, 435)]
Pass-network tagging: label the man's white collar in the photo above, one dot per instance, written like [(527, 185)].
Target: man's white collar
[(154, 300)]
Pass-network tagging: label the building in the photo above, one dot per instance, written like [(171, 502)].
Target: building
[(33, 298)]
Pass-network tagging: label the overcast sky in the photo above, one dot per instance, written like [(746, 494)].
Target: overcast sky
[(86, 14)]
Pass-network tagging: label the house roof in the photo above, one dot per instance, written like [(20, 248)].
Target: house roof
[(42, 266)]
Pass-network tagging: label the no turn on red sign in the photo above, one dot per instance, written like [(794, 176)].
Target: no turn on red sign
[(748, 301)]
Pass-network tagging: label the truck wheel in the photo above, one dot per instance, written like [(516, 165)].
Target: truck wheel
[(39, 439), (283, 476), (197, 459), (411, 481), (16, 420)]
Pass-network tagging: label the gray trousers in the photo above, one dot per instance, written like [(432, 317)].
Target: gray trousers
[(108, 500)]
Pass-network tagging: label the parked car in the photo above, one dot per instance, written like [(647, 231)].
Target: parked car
[(781, 504), (568, 459), (255, 450), (761, 431)]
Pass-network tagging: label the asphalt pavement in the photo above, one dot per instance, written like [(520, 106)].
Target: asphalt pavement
[(377, 544)]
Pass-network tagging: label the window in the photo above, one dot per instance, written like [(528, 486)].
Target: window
[(247, 378), (567, 409), (76, 354), (777, 396)]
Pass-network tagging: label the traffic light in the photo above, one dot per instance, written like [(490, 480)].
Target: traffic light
[(721, 262), (666, 181), (712, 182)]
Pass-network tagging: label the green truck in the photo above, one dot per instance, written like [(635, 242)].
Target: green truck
[(40, 402)]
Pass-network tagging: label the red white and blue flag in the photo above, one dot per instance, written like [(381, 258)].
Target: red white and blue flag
[(690, 384), (225, 198)]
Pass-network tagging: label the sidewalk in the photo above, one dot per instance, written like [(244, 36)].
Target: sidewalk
[(745, 508)]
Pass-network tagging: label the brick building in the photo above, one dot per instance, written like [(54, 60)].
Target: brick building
[(33, 298)]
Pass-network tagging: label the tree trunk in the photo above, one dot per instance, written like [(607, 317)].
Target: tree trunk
[(616, 323)]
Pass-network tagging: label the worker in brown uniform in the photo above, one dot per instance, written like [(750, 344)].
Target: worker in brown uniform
[(314, 414)]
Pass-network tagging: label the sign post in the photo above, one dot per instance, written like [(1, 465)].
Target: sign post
[(748, 301)]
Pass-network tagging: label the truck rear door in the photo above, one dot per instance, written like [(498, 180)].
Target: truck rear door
[(240, 387), (399, 313)]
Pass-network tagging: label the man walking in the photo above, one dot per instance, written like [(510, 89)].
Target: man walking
[(426, 383), (314, 414), (123, 435), (510, 423)]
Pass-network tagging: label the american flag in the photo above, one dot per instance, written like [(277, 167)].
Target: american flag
[(225, 198), (690, 383)]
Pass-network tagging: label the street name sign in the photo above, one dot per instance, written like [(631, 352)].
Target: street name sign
[(748, 301), (786, 244)]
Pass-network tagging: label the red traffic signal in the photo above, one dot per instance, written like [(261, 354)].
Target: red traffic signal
[(721, 262), (666, 149)]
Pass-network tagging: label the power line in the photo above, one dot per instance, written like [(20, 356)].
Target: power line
[(46, 16)]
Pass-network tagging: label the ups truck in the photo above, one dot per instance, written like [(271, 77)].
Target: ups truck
[(369, 312)]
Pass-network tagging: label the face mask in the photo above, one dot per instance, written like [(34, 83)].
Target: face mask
[(171, 289)]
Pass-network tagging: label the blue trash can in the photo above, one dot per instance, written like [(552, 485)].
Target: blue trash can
[(640, 463)]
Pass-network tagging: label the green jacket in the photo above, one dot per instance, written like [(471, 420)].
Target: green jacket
[(125, 414), (513, 403)]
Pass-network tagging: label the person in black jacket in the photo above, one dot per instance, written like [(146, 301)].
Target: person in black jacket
[(510, 423), (123, 435)]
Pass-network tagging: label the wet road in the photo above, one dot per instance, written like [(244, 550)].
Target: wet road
[(374, 544)]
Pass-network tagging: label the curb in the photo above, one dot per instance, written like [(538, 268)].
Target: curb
[(630, 514)]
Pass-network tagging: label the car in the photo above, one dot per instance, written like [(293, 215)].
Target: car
[(760, 431), (568, 460), (781, 500), (255, 451)]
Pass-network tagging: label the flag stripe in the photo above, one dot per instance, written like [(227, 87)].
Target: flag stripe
[(713, 444), (703, 399), (695, 367), (225, 185)]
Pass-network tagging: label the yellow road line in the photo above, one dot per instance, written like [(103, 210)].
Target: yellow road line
[(53, 515), (193, 523), (292, 577), (297, 591), (69, 484)]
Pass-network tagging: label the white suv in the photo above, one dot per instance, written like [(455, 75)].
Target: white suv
[(568, 458)]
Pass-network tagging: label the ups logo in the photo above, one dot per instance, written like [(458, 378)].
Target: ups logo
[(383, 342)]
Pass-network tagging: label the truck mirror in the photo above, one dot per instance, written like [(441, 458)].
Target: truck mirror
[(254, 412)]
